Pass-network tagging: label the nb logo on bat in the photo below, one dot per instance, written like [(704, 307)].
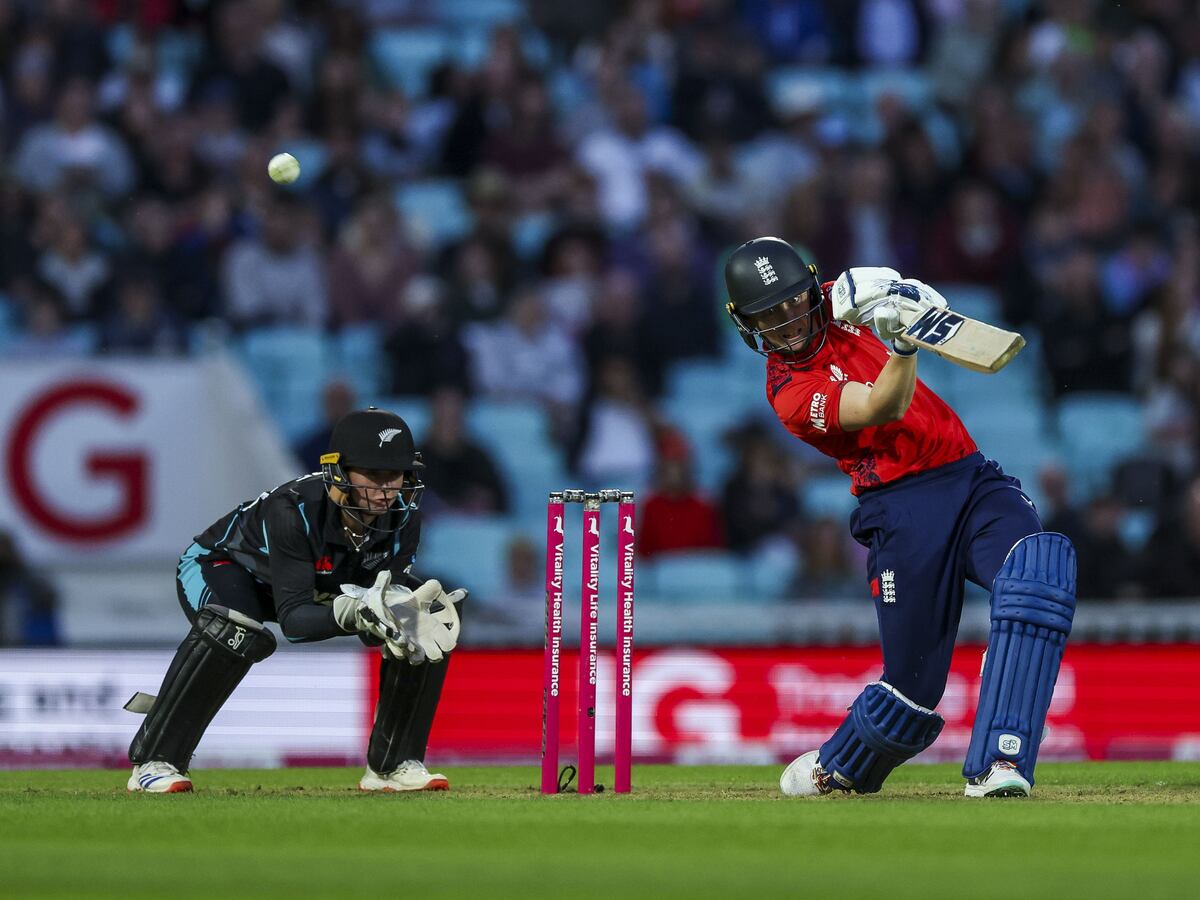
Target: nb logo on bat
[(935, 327)]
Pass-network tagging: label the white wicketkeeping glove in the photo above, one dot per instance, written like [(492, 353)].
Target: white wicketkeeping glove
[(363, 609), (425, 634)]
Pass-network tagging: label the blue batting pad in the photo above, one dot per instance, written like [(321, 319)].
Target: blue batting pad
[(883, 730), (1033, 603)]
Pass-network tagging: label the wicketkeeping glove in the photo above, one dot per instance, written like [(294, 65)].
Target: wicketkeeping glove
[(364, 610), (428, 634)]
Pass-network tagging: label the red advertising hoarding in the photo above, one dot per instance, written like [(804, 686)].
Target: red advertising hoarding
[(770, 704)]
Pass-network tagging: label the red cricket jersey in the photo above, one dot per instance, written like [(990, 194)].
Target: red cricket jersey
[(807, 399)]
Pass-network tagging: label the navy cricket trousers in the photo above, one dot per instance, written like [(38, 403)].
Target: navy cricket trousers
[(927, 534)]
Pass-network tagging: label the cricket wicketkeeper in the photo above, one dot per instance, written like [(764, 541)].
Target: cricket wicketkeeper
[(325, 555), (932, 511)]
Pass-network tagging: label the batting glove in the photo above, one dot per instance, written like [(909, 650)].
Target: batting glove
[(858, 291)]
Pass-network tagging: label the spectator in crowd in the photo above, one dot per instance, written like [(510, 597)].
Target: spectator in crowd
[(139, 324), (1172, 557), (828, 570), (1085, 347), (74, 151), (1108, 569), (525, 356), (518, 607), (28, 603), (425, 349), (337, 399), (975, 241), (237, 62), (759, 501), (371, 262), (620, 158), (1057, 511), (868, 225), (459, 474), (676, 516), (79, 273), (614, 441), (46, 333), (617, 329), (276, 279)]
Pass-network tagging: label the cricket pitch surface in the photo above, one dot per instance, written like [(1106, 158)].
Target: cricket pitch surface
[(1090, 830)]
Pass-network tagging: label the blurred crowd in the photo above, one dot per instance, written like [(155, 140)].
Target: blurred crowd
[(540, 212)]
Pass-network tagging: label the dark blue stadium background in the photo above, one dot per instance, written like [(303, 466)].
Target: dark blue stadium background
[(510, 226)]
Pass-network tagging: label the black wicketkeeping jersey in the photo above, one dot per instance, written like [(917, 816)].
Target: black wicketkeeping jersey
[(293, 541)]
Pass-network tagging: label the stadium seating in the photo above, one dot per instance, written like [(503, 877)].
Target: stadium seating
[(434, 210), (798, 89), (517, 437), (1096, 431), (694, 576), (358, 359), (466, 551), (290, 367), (481, 13), (403, 58), (828, 496)]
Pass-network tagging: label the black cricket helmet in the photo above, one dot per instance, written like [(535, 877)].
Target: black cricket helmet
[(374, 440), (775, 300)]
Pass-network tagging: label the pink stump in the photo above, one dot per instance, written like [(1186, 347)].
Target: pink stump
[(555, 540), (623, 747), (589, 615)]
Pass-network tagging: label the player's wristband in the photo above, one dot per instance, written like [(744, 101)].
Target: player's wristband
[(905, 353)]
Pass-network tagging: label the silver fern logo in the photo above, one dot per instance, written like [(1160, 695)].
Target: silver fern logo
[(385, 436)]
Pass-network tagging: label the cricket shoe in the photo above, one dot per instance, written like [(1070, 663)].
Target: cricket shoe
[(805, 777), (411, 776), (1000, 780), (157, 777)]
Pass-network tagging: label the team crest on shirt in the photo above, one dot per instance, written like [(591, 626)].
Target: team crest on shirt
[(836, 374), (372, 560), (887, 586)]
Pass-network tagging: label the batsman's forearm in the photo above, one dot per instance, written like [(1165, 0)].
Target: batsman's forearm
[(894, 388)]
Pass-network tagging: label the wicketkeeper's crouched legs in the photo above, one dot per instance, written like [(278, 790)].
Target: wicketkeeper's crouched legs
[(214, 657), (408, 701), (883, 729), (1033, 605)]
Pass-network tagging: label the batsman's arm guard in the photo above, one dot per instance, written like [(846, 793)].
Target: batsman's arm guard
[(1033, 606), (214, 657)]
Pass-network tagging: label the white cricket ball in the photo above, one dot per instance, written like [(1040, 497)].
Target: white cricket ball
[(283, 168)]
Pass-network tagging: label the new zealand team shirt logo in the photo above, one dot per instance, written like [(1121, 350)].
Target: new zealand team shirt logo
[(386, 436), (372, 560), (766, 270)]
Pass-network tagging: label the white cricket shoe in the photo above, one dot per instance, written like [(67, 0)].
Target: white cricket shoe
[(156, 777), (1001, 780), (805, 777), (411, 776)]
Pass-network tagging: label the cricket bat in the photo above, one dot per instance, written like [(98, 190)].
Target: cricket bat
[(962, 340)]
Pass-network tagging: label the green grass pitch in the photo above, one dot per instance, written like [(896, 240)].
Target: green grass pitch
[(1091, 830)]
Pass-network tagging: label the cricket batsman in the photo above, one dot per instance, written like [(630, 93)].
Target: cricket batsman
[(932, 512), (325, 555)]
